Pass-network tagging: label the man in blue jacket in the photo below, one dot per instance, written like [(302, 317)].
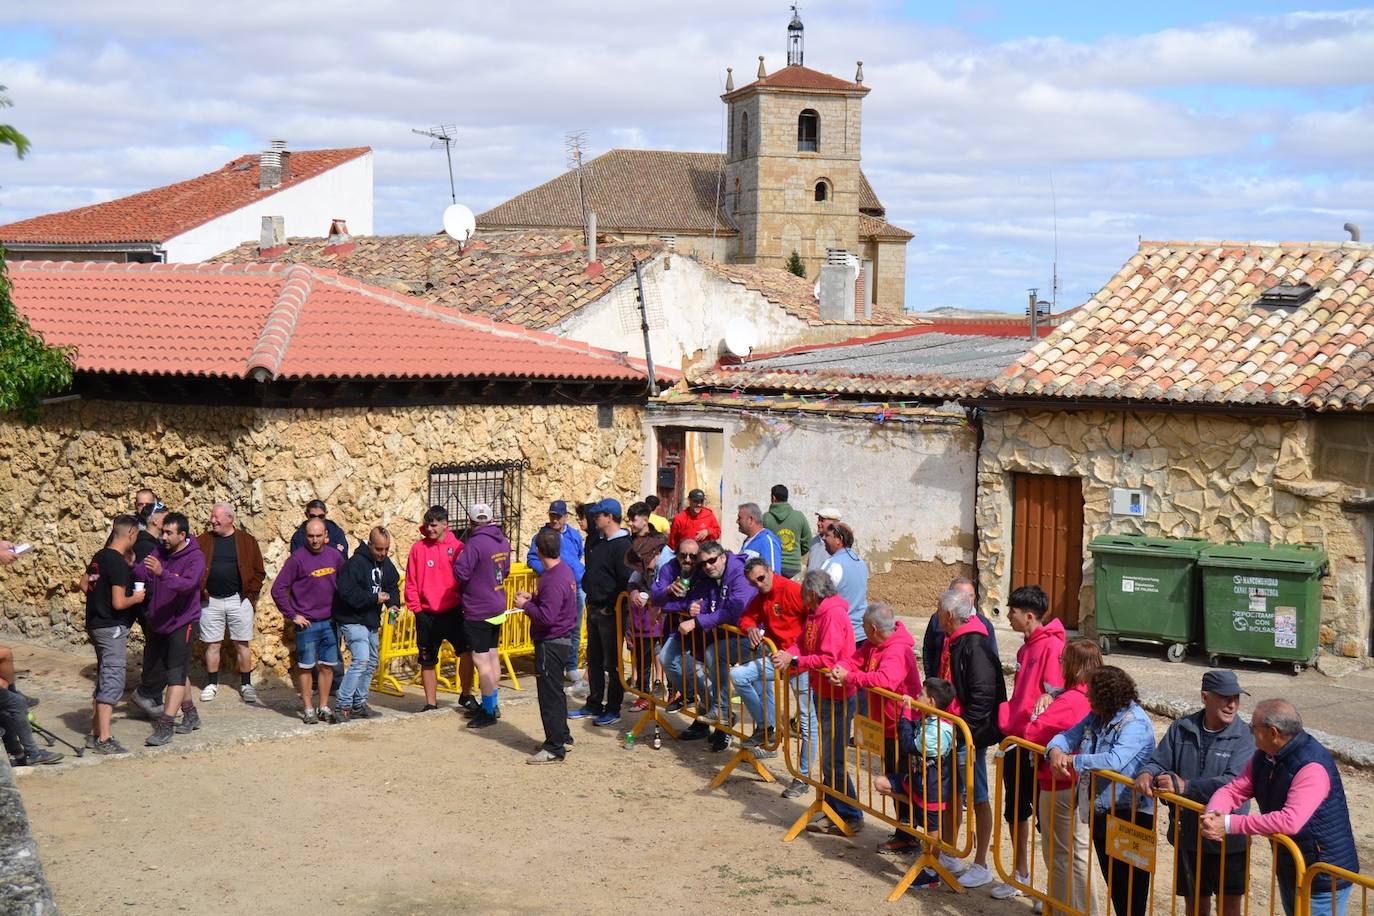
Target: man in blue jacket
[(571, 556)]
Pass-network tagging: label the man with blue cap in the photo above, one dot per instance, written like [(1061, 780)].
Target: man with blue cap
[(571, 556)]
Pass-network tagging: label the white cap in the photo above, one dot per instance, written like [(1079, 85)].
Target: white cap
[(831, 513), (479, 512)]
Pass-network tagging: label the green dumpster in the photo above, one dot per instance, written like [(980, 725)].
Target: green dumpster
[(1147, 590), (1262, 602)]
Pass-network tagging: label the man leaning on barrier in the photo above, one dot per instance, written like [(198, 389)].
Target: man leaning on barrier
[(1295, 784), (725, 592), (672, 595), (1198, 755), (776, 612)]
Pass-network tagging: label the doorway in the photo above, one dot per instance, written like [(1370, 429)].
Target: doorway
[(688, 459), (1047, 540)]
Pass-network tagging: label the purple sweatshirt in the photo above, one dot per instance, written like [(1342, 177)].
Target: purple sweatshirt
[(726, 598), (305, 585), (174, 599), (481, 570), (553, 609)]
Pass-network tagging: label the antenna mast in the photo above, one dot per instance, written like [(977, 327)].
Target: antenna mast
[(644, 326), (575, 146), (1054, 274), (443, 135)]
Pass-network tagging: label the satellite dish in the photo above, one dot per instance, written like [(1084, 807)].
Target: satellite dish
[(741, 337), (459, 223)]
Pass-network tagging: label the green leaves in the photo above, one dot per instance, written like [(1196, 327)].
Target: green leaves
[(794, 265), (30, 370), (9, 134)]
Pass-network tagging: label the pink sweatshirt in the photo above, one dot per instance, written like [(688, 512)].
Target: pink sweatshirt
[(892, 666), (826, 641), (431, 587), (1037, 667), (1308, 790), (1067, 710)]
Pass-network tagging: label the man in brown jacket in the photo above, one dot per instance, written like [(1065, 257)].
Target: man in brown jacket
[(232, 583)]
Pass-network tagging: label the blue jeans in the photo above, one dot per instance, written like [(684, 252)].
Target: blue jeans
[(806, 719), (317, 644), (363, 646), (719, 655), (670, 657), (753, 682), (1321, 902), (577, 631), (836, 716), (980, 773)]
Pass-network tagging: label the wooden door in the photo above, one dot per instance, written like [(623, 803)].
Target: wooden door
[(1047, 540), (668, 473)]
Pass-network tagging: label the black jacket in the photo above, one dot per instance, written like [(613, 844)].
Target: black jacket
[(1180, 752), (355, 592), (979, 685), (606, 575), (934, 643)]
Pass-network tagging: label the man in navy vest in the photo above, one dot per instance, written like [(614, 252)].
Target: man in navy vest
[(1298, 790)]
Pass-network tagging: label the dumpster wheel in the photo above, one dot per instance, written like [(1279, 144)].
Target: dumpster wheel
[(1104, 643), (1176, 652)]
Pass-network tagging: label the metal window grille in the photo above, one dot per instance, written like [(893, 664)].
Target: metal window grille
[(499, 484)]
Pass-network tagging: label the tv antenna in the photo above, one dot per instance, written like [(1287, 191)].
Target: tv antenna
[(575, 145), (1054, 269), (443, 135)]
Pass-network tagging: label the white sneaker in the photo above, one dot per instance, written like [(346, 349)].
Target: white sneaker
[(209, 693), (952, 865), (1002, 891), (1037, 908), (976, 876)]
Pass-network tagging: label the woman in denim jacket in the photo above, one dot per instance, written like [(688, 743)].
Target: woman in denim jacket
[(1115, 736)]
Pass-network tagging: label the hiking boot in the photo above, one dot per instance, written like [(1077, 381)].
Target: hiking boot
[(343, 714), (249, 694), (162, 732), (109, 746), (151, 708), (796, 789), (209, 693), (309, 717), (363, 711), (190, 721), (39, 757)]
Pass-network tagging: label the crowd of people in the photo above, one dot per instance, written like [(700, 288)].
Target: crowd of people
[(803, 592)]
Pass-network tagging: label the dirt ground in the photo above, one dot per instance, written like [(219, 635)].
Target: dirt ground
[(414, 814)]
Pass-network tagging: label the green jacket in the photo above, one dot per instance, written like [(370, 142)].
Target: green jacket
[(793, 530)]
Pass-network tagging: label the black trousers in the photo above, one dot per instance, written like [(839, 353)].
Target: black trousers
[(1130, 886), (894, 761), (550, 659), (603, 661), (153, 679)]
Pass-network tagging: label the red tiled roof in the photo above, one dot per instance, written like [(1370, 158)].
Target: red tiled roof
[(873, 227), (164, 213), (796, 295), (796, 76), (1179, 323), (289, 321)]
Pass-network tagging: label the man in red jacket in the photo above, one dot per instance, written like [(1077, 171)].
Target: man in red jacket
[(432, 595), (776, 612), (696, 522)]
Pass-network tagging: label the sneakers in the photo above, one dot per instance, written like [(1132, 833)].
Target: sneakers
[(695, 732), (542, 756), (762, 754), (190, 721), (720, 740), (209, 693), (796, 789), (248, 694), (363, 711), (927, 878), (639, 705), (40, 757), (309, 717), (483, 719), (326, 715), (900, 843), (162, 733), (952, 865), (91, 742), (343, 714), (469, 702), (675, 703), (760, 737), (108, 746), (428, 707), (822, 824), (1038, 907), (151, 708), (586, 712), (976, 876), (1004, 891), (610, 717)]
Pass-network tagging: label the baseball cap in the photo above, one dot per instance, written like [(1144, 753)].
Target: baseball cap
[(479, 512), (605, 507), (1223, 683), (829, 512), (696, 496), (558, 507)]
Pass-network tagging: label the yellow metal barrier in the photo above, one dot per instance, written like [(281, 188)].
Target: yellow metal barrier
[(1362, 883), (1131, 844), (849, 774)]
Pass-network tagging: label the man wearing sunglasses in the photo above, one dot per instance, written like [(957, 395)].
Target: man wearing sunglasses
[(778, 613), (672, 593), (316, 509), (725, 593)]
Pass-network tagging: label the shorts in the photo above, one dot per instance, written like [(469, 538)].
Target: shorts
[(111, 657), (317, 644), (922, 818), (481, 636), (234, 613), (433, 629), (171, 652), (1234, 880), (1018, 785), (980, 773)]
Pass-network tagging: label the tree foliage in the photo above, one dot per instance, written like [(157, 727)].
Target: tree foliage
[(30, 370), (795, 265), (9, 134)]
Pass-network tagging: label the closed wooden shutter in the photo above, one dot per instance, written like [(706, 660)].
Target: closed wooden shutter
[(1047, 540)]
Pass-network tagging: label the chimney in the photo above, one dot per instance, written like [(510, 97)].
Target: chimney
[(272, 165), (839, 281), (273, 233), (338, 232), (862, 302)]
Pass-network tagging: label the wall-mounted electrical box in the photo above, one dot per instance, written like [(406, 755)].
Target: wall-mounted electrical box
[(1128, 502)]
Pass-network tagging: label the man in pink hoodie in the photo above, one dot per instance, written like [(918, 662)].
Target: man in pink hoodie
[(431, 594), (1037, 671), (826, 640), (887, 659)]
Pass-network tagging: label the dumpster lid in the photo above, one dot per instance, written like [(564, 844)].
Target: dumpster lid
[(1141, 545), (1295, 558)]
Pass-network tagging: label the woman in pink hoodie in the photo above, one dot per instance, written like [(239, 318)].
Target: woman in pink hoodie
[(1037, 671), (1064, 834)]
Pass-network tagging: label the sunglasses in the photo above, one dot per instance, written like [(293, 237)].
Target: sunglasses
[(712, 561), (312, 515), (686, 556)]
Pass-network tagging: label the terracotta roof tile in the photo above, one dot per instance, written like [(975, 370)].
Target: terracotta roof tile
[(872, 227), (164, 213), (289, 321), (1186, 311), (796, 76), (796, 295)]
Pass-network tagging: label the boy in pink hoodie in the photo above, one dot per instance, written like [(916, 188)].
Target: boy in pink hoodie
[(1037, 672), (431, 594)]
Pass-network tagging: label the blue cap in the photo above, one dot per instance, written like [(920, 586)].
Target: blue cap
[(1223, 683), (607, 506), (558, 507)]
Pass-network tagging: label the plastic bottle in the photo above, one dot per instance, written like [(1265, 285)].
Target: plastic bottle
[(658, 739)]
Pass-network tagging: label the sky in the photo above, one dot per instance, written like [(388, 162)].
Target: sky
[(1015, 139)]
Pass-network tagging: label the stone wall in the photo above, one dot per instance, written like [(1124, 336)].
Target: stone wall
[(1205, 475), (62, 480)]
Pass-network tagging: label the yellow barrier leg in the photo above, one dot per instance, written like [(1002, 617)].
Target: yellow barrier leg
[(927, 860), (653, 715), (510, 669), (819, 806), (742, 755)]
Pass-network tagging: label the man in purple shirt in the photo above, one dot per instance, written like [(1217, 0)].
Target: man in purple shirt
[(304, 593), (172, 573), (552, 614)]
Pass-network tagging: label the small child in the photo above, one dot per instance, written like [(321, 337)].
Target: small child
[(927, 756)]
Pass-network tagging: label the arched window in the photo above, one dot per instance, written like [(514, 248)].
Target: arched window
[(822, 191), (808, 131), (744, 134)]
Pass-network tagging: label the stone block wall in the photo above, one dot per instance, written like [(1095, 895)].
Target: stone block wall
[(61, 481), (1205, 475)]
